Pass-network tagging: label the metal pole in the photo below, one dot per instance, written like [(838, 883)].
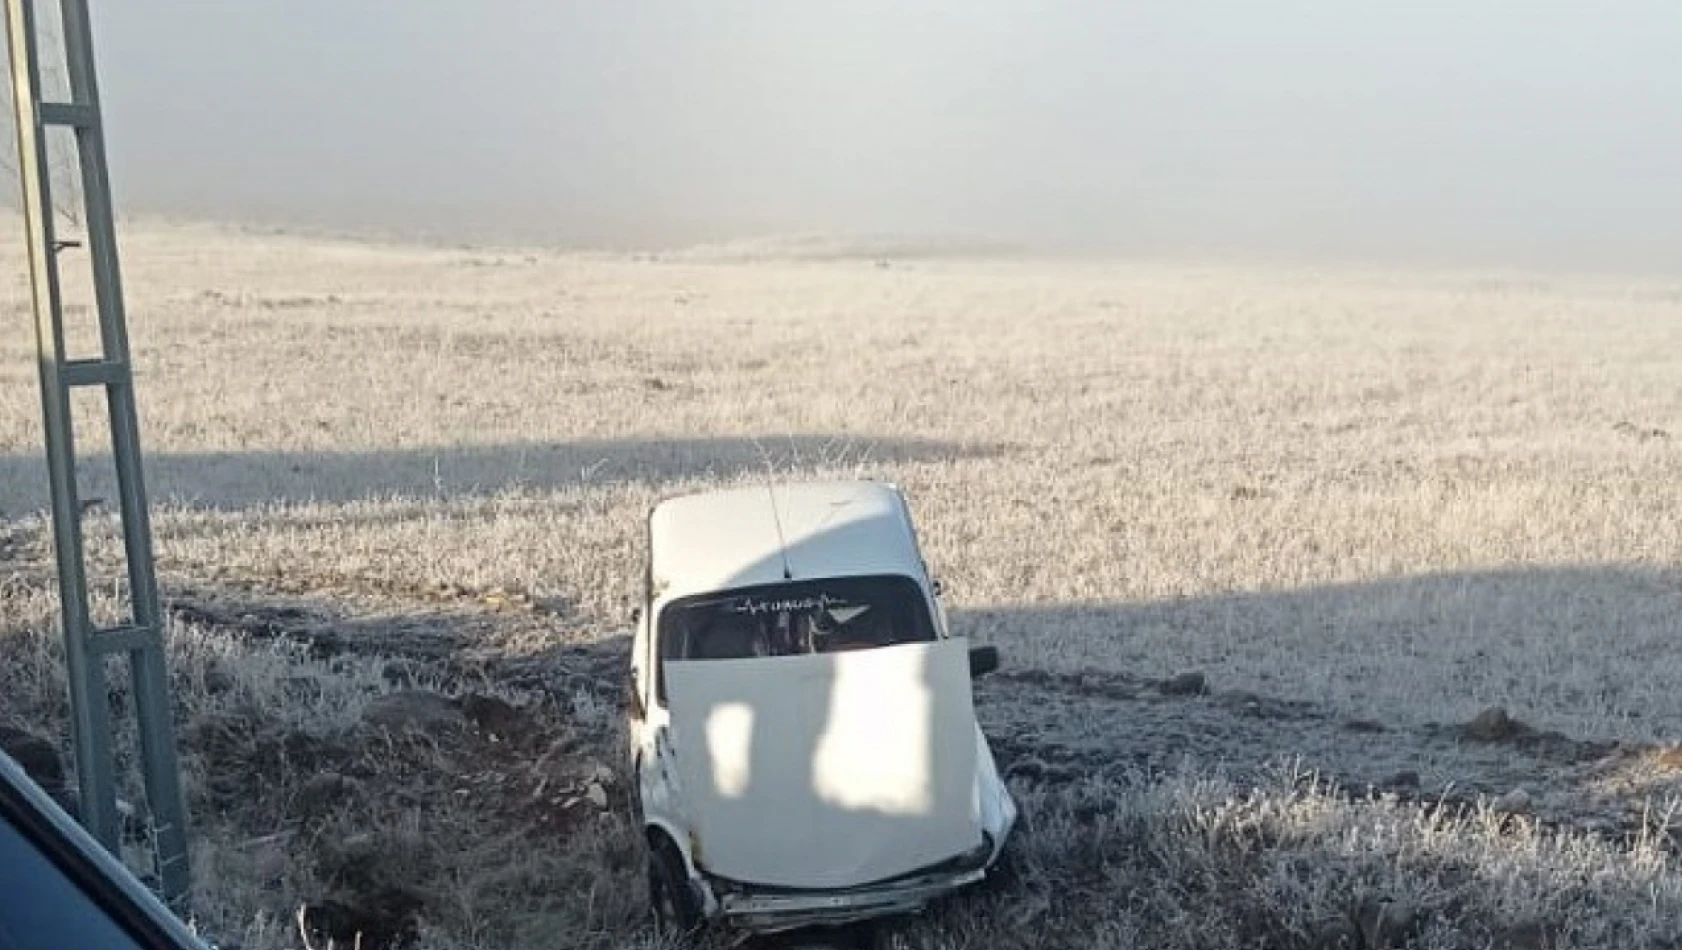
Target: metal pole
[(141, 640), (148, 672), (89, 705)]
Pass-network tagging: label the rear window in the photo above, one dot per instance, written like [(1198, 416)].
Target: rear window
[(822, 616)]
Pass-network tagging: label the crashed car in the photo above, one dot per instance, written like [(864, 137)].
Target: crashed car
[(801, 727)]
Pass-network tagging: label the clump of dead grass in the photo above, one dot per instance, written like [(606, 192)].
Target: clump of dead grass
[(1192, 860), (457, 837)]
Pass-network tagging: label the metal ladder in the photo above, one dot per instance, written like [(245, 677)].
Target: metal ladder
[(140, 641)]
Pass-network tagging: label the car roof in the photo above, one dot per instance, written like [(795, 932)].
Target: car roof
[(743, 537)]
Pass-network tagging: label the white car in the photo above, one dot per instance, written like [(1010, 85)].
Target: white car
[(801, 722)]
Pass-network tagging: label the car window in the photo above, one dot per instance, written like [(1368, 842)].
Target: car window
[(44, 908), (821, 616)]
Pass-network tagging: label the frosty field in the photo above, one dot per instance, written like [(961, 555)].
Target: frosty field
[(1365, 506)]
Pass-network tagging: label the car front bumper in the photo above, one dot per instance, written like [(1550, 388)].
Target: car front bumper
[(769, 913), (769, 910)]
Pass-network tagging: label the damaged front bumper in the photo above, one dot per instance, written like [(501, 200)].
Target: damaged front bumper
[(769, 913), (769, 910)]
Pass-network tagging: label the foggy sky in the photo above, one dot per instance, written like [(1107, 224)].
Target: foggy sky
[(1536, 133)]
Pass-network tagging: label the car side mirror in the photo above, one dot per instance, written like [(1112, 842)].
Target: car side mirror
[(983, 660)]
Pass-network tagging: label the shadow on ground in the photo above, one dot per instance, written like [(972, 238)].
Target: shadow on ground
[(1583, 646), (1369, 684), (1539, 692), (1083, 746), (234, 480)]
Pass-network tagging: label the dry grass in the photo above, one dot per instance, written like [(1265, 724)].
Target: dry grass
[(1397, 498)]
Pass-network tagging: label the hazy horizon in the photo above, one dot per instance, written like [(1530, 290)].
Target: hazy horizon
[(1435, 134)]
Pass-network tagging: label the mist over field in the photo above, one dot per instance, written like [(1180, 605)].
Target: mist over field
[(1542, 135)]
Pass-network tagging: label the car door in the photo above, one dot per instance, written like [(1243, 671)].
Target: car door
[(61, 889), (652, 764)]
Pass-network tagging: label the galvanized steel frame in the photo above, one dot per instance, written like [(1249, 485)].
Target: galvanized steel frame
[(141, 640)]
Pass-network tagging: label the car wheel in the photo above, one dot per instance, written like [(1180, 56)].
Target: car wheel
[(1005, 874), (677, 909)]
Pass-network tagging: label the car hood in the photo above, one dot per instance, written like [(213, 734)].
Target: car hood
[(827, 770)]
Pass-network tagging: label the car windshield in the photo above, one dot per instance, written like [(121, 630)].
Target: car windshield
[(822, 616)]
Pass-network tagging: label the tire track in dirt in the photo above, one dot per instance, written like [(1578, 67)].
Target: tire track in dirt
[(1054, 729), (1052, 732)]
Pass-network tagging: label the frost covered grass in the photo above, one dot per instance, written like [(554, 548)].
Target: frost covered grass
[(1191, 861), (1403, 497)]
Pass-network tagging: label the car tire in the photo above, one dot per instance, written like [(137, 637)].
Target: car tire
[(1005, 873), (676, 906)]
